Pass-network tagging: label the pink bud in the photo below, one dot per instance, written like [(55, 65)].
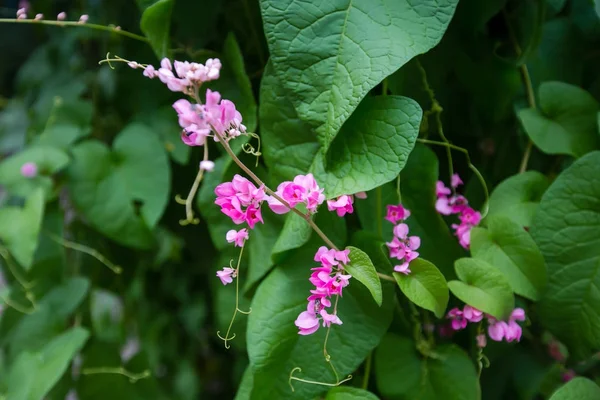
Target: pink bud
[(29, 170), (481, 341), (207, 165), (22, 16), (39, 17), (83, 19), (61, 16), (21, 11)]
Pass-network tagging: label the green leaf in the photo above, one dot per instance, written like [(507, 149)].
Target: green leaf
[(402, 373), (566, 230), (329, 55), (263, 239), (508, 247), (108, 186), (361, 268), (372, 147), (49, 161), (49, 317), (162, 123), (33, 374), (275, 348), (565, 122), (578, 388), (20, 228), (156, 24), (106, 312), (425, 286), (518, 197), (483, 286), (295, 233), (349, 393)]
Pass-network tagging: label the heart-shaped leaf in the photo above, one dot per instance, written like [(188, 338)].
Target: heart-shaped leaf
[(425, 286)]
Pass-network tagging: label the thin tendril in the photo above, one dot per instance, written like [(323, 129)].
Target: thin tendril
[(237, 302), (87, 250), (109, 28), (133, 377), (293, 378), (16, 306), (436, 109), (20, 279), (471, 167), (189, 212), (249, 149)]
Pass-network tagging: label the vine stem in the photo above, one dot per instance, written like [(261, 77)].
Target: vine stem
[(471, 167), (259, 182), (188, 201), (110, 28), (87, 250), (526, 77), (133, 377)]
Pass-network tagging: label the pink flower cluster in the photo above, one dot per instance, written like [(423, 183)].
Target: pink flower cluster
[(402, 246), (303, 189), (199, 120), (226, 275), (187, 77), (497, 330), (329, 280), (448, 204), (343, 204), (29, 170), (240, 200)]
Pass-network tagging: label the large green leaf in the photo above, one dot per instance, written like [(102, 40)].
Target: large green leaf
[(579, 388), (518, 197), (20, 228), (361, 268), (295, 233), (566, 230), (370, 150), (483, 286), (156, 24), (106, 313), (35, 373), (508, 247), (349, 393), (275, 348), (49, 160), (402, 374), (106, 185), (425, 286), (566, 121), (328, 55)]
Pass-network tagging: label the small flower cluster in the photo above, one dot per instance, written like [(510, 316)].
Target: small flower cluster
[(303, 189), (497, 330), (448, 204), (187, 77), (227, 274), (402, 246), (343, 204), (329, 280), (22, 14), (240, 200)]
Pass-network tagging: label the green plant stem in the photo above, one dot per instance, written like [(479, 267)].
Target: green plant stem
[(471, 167), (110, 28), (386, 277), (526, 77), (87, 250), (133, 377), (368, 362)]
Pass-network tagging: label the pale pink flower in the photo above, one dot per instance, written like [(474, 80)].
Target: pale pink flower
[(441, 189), (150, 72), (342, 205), (226, 275), (472, 314), (83, 19), (455, 181), (307, 323), (403, 268), (61, 16), (481, 341), (237, 237), (29, 170), (39, 17), (207, 165), (329, 319)]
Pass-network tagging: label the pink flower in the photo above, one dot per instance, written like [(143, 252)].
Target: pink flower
[(293, 194), (457, 318), (237, 237), (240, 200), (326, 257), (442, 206), (568, 375), (39, 17), (342, 256), (396, 213), (329, 319), (441, 189), (29, 170), (403, 268), (307, 323), (481, 341), (303, 189), (226, 275), (150, 72), (61, 16), (518, 314), (342, 205), (511, 331), (188, 113), (455, 181), (360, 195), (472, 314), (403, 247), (83, 19)]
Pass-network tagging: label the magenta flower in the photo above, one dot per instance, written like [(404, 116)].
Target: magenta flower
[(226, 275), (29, 170), (237, 237), (307, 323), (455, 181), (511, 331), (441, 189), (457, 319), (240, 200), (396, 213), (303, 189), (472, 314), (403, 247)]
